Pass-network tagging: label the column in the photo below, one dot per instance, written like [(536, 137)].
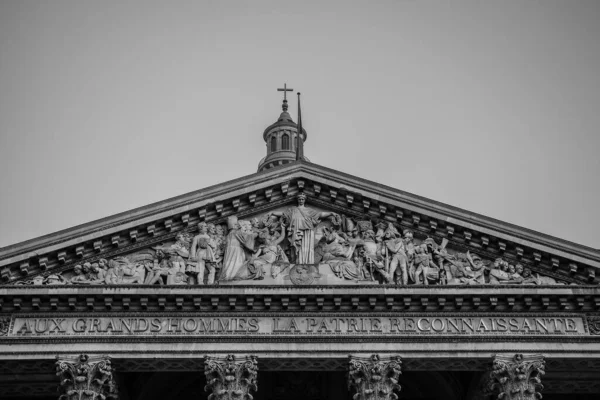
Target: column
[(230, 378), (517, 377), (86, 378), (374, 378)]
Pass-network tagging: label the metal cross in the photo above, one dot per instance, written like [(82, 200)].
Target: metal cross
[(285, 90)]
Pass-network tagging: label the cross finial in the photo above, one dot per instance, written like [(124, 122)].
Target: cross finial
[(284, 90)]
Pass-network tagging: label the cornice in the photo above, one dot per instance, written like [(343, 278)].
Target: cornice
[(298, 299), (275, 187), (446, 212), (140, 215)]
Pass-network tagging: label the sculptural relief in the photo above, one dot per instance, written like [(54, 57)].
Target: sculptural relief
[(86, 378), (297, 246), (78, 276), (338, 253), (121, 270), (303, 274), (301, 222), (166, 268), (425, 269), (238, 244), (268, 253), (202, 255), (398, 252)]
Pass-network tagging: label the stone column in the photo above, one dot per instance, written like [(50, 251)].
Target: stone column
[(374, 378), (517, 377), (86, 378), (230, 378)]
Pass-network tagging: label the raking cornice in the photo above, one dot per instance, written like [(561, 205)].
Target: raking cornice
[(276, 186)]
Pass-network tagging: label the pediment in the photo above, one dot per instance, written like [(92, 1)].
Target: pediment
[(461, 243)]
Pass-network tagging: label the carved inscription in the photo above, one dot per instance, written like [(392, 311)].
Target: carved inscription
[(302, 325)]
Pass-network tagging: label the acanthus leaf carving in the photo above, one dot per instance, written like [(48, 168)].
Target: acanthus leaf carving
[(374, 378), (594, 325), (229, 378), (517, 377), (86, 378)]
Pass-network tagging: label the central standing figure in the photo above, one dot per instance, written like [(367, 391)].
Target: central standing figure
[(301, 222)]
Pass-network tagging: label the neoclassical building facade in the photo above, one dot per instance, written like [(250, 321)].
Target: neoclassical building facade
[(299, 282)]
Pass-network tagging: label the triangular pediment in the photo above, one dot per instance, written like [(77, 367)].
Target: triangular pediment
[(465, 240)]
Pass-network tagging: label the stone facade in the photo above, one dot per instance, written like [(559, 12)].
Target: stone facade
[(276, 284)]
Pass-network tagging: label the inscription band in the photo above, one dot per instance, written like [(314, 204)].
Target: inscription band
[(316, 325)]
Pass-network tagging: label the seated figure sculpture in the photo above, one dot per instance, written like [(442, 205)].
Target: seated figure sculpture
[(78, 278), (269, 252), (123, 272), (530, 279), (338, 255)]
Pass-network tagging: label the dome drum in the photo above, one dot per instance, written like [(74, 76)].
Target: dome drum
[(281, 142)]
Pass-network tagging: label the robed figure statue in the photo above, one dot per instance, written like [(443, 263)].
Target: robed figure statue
[(301, 222), (239, 244)]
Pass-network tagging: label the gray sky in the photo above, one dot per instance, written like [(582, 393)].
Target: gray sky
[(491, 106)]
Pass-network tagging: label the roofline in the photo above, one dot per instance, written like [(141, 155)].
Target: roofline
[(374, 190), (450, 212), (134, 213)]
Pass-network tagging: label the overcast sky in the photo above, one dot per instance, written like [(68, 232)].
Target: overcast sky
[(491, 106)]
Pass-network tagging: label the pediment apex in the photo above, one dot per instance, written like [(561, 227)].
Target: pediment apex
[(327, 188)]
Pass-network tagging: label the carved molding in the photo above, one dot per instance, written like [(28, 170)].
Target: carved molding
[(464, 299), (573, 384), (4, 325), (139, 244), (594, 325), (231, 378), (445, 364), (159, 364), (86, 378), (28, 390), (374, 378), (304, 364), (42, 276), (313, 179), (517, 377)]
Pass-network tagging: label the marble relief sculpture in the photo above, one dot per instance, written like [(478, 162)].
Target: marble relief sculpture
[(298, 245), (268, 254), (301, 222), (338, 252), (397, 252), (202, 255), (239, 242)]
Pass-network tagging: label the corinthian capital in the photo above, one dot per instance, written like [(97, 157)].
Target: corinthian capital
[(517, 377), (374, 378), (230, 378), (85, 378)]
